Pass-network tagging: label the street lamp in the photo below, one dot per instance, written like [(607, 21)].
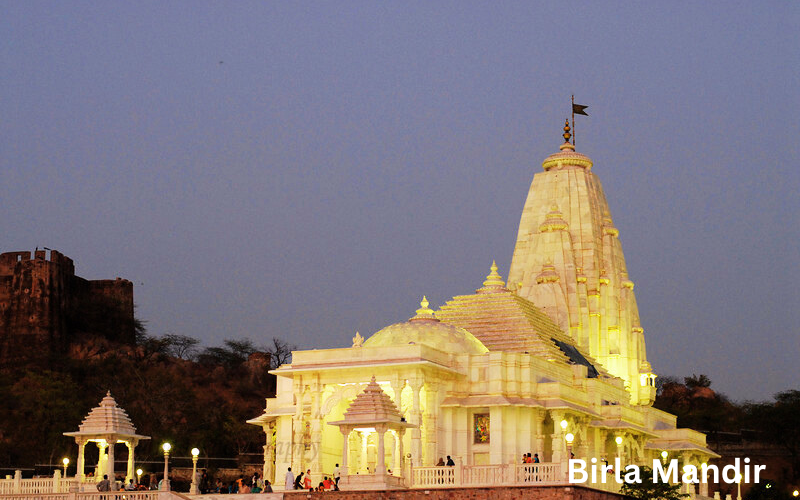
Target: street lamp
[(618, 440), (739, 487), (564, 425), (139, 476), (569, 438), (664, 456), (796, 493), (165, 482), (65, 462), (193, 488)]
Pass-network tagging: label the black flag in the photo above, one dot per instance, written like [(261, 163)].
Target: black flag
[(579, 109)]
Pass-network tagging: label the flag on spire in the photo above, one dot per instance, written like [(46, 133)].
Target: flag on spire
[(579, 109)]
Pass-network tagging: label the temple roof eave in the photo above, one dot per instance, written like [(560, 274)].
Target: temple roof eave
[(621, 424), (378, 421), (290, 370), (104, 435), (665, 445)]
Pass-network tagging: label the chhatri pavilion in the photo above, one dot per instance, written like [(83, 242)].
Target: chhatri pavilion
[(551, 361)]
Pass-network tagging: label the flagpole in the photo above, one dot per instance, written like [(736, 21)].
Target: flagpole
[(573, 120)]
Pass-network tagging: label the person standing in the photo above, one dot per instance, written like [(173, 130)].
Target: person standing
[(336, 474), (289, 479), (104, 485)]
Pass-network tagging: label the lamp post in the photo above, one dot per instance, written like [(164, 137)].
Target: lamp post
[(738, 487), (569, 438), (618, 440), (165, 482), (66, 463), (139, 476), (664, 456), (193, 487)]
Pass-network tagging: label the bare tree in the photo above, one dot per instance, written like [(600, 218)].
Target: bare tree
[(280, 352)]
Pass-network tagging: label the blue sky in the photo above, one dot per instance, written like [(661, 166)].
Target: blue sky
[(306, 170)]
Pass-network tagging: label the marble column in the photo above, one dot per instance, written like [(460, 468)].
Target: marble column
[(81, 460), (400, 462), (269, 452), (558, 447), (364, 449), (416, 419), (398, 450), (111, 443), (380, 458), (102, 461), (538, 423), (129, 472), (316, 429), (345, 430)]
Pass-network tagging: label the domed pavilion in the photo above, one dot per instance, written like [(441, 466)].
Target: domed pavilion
[(106, 425)]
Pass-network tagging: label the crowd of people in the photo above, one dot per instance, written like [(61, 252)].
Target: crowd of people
[(527, 459), (303, 481), (253, 484)]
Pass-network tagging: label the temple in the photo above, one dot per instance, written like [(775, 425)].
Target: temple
[(552, 363)]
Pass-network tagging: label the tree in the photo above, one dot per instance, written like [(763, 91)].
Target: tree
[(780, 422), (181, 346), (648, 489), (696, 381), (280, 352)]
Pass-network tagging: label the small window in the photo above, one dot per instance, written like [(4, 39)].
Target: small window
[(481, 426)]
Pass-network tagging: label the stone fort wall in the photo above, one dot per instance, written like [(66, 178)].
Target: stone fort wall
[(44, 306)]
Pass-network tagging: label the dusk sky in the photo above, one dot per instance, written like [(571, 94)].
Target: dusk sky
[(306, 170)]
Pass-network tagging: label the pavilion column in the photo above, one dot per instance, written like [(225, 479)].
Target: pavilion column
[(399, 460), (416, 433), (538, 423), (703, 484), (269, 453), (316, 428), (398, 450), (129, 473), (299, 426), (81, 459), (380, 461), (102, 461), (364, 442), (345, 430), (431, 435), (557, 440), (111, 442), (582, 433)]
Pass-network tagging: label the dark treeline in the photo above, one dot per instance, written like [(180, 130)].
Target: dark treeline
[(172, 388), (697, 406)]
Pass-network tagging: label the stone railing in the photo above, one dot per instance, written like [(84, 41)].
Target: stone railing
[(16, 485), (486, 475), (115, 495)]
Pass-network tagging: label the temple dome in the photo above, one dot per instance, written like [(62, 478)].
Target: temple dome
[(425, 329)]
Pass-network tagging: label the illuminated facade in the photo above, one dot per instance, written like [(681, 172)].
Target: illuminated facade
[(553, 362)]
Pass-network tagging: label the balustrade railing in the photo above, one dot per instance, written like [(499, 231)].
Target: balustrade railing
[(486, 475), (433, 477)]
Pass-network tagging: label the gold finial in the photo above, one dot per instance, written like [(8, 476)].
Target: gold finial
[(494, 282), (424, 312), (494, 278), (567, 135), (358, 340)]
